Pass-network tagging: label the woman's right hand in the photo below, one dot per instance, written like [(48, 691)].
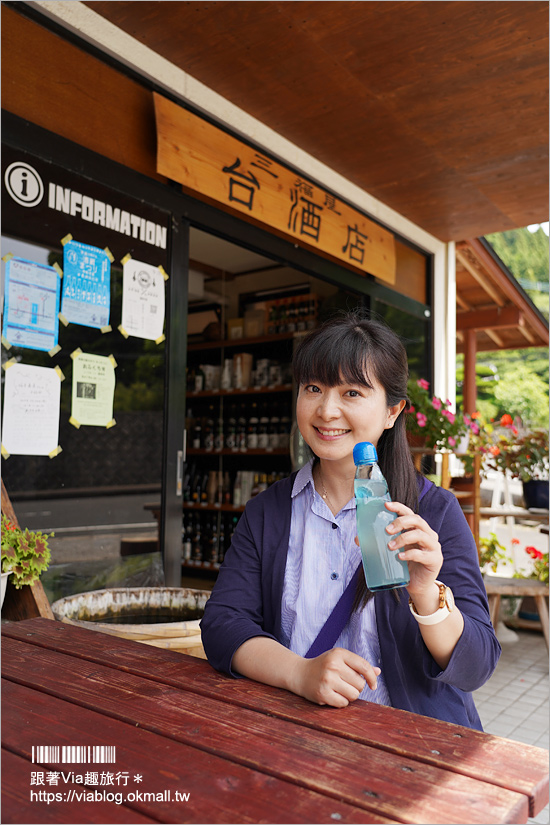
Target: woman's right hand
[(334, 678)]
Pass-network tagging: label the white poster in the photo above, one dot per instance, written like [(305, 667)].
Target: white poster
[(31, 410), (93, 390), (142, 300)]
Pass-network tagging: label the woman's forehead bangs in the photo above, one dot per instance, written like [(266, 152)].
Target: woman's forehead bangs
[(332, 362)]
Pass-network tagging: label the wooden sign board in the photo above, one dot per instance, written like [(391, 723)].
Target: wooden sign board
[(212, 163)]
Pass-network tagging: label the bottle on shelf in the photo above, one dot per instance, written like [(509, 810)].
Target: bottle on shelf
[(196, 544), (219, 437), (199, 379), (241, 429), (212, 487), (273, 432), (252, 430), (208, 432), (263, 426), (231, 432), (197, 435), (237, 492)]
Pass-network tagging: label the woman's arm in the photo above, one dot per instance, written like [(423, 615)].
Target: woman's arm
[(419, 546), (334, 678)]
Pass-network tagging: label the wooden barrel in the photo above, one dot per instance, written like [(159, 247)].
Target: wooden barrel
[(166, 617)]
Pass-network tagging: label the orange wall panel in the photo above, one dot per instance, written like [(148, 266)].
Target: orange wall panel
[(56, 85)]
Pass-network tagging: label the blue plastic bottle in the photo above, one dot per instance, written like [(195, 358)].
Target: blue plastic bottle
[(383, 569)]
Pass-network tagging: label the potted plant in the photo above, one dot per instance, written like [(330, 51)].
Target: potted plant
[(431, 419), (491, 552), (480, 441), (25, 555), (524, 453)]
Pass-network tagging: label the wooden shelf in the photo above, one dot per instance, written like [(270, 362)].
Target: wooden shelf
[(226, 451), (248, 391), (228, 343)]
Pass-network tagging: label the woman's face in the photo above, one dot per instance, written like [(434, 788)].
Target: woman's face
[(332, 420)]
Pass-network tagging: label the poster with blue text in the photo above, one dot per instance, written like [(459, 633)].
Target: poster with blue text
[(31, 305), (86, 298)]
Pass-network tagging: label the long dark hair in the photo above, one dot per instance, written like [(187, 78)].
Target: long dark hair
[(353, 348)]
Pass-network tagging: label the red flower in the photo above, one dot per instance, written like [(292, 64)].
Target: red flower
[(515, 541), (506, 420)]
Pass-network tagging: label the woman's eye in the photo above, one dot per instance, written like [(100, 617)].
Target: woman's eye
[(312, 388), (354, 394)]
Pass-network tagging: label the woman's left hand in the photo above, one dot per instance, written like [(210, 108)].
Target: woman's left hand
[(418, 545)]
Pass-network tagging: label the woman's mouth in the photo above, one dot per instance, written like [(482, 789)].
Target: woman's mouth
[(329, 433)]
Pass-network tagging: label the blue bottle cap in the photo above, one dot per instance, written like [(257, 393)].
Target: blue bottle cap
[(365, 453)]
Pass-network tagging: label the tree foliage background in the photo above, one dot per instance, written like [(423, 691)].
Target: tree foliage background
[(516, 381)]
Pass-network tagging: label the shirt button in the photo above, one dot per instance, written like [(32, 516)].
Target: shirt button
[(334, 576), (334, 526)]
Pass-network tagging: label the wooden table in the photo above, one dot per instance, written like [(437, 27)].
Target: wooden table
[(497, 586), (241, 751)]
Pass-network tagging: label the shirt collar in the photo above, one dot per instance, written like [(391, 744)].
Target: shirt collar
[(304, 478)]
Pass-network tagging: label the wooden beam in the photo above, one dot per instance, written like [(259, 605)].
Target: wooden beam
[(494, 337), (510, 288), (489, 318), (482, 279)]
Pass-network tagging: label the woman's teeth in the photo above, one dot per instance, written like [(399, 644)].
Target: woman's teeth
[(331, 432)]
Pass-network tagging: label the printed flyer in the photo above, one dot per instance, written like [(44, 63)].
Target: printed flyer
[(86, 298), (31, 305)]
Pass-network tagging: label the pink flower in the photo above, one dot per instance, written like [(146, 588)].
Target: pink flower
[(452, 441), (411, 409), (421, 419), (474, 428), (436, 403), (423, 384), (450, 416)]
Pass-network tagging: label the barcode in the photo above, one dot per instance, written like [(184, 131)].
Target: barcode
[(81, 754)]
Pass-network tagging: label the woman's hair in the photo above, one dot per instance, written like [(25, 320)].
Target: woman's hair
[(353, 349)]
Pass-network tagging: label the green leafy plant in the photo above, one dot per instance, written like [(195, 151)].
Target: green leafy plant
[(523, 453), (432, 418), (25, 554), (491, 552)]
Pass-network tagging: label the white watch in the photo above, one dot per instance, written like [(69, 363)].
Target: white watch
[(446, 606)]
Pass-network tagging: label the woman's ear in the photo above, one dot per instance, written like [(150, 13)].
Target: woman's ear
[(393, 414)]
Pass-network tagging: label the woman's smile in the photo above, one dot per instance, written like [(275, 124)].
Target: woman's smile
[(329, 434)]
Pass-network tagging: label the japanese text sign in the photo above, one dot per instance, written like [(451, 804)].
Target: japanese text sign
[(208, 161)]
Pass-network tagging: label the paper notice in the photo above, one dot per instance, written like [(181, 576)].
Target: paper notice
[(31, 410), (142, 300), (93, 389)]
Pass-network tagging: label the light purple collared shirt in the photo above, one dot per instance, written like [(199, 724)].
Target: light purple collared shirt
[(322, 558)]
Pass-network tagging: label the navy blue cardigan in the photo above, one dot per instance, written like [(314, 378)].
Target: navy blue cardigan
[(246, 602)]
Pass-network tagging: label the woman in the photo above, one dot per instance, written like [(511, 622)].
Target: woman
[(295, 551)]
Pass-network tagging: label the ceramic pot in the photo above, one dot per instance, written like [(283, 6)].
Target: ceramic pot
[(4, 584), (535, 494)]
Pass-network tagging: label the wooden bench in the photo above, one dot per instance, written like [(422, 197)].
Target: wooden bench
[(497, 586)]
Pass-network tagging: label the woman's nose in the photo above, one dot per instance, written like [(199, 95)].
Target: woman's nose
[(328, 407)]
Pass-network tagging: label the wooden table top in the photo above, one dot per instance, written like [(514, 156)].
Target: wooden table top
[(192, 745)]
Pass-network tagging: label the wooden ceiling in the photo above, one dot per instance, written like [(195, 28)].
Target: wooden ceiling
[(491, 303), (438, 109)]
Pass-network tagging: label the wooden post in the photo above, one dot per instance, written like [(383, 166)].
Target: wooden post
[(470, 389), (31, 600)]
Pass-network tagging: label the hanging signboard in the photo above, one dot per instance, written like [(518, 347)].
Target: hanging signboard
[(212, 163), (43, 203)]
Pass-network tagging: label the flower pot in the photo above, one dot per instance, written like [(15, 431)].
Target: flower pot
[(535, 494), (4, 585)]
